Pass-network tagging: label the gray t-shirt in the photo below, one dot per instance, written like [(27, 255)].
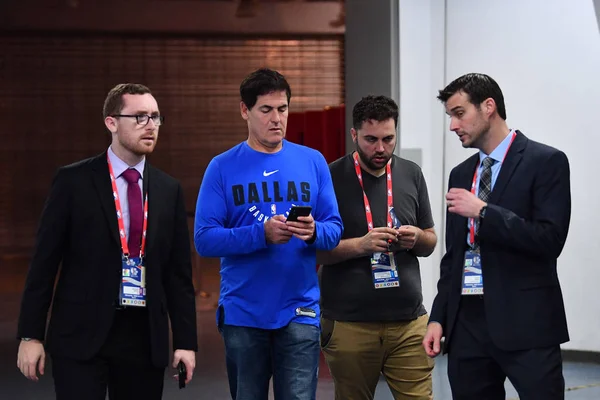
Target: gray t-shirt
[(347, 290)]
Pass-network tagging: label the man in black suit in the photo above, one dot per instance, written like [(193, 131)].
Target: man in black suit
[(118, 286), (499, 303)]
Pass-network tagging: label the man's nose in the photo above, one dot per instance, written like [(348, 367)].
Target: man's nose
[(453, 124), (151, 125), (275, 117)]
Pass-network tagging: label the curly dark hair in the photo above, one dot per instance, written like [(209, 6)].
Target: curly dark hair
[(378, 108)]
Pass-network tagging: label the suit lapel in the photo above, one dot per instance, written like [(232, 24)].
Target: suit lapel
[(512, 160), (151, 188), (101, 179), (466, 179)]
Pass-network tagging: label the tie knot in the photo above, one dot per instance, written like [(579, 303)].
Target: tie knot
[(131, 175), (488, 162)]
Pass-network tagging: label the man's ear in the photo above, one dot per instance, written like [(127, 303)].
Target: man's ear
[(245, 111), (489, 106), (111, 124)]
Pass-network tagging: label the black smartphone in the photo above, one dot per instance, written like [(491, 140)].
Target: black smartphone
[(182, 372), (299, 211)]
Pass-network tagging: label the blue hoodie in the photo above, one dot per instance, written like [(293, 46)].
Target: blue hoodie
[(262, 284)]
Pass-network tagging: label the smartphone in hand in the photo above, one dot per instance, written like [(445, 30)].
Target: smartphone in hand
[(299, 211), (182, 372)]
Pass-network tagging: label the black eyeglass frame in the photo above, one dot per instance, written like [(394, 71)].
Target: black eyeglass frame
[(154, 118)]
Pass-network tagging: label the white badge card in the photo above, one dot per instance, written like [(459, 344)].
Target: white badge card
[(133, 283), (472, 279), (384, 271)]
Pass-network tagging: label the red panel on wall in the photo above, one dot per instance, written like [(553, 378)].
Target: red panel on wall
[(295, 128), (333, 137), (313, 129)]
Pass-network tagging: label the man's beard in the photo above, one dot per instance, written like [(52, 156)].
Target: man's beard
[(369, 161), (138, 148), (479, 137)]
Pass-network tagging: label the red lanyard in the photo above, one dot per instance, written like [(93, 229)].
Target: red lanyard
[(124, 246), (390, 198), (471, 220)]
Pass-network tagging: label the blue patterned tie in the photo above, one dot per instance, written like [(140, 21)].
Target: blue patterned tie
[(485, 183)]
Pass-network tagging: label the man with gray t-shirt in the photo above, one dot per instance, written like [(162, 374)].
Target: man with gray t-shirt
[(373, 320)]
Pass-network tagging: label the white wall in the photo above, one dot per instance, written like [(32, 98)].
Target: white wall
[(545, 54), (421, 121)]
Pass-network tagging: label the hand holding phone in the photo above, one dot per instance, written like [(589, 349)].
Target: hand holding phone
[(276, 230), (302, 229), (299, 211)]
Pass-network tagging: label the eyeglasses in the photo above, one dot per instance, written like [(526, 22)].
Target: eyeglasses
[(143, 119)]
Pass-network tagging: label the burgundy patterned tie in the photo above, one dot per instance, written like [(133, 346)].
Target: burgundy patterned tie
[(136, 212)]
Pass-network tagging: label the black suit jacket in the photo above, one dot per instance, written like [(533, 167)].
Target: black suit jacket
[(79, 228), (521, 236)]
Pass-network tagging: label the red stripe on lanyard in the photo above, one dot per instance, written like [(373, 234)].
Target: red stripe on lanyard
[(472, 220), (390, 198), (122, 236)]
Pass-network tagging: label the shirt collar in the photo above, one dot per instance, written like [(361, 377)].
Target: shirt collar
[(500, 151), (119, 166)]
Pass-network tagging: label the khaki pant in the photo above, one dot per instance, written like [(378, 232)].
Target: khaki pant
[(358, 352)]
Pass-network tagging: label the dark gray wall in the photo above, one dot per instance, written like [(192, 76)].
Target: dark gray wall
[(372, 53)]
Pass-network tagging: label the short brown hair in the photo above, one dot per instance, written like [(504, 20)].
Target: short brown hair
[(113, 104), (479, 87)]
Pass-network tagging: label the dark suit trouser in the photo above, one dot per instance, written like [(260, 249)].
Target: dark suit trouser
[(123, 366), (477, 368)]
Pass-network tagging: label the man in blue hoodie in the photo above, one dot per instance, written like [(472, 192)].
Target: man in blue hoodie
[(268, 310)]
